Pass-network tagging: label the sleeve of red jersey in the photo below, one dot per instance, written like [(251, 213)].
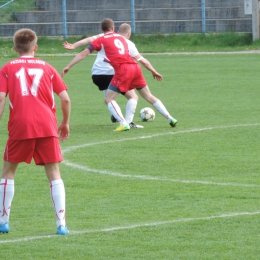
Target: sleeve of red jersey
[(97, 44), (3, 82)]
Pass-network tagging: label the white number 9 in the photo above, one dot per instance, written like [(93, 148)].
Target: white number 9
[(120, 46)]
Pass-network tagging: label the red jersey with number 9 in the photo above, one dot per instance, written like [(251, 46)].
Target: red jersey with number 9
[(31, 84), (115, 48)]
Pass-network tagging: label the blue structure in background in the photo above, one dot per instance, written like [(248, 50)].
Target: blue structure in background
[(133, 15), (64, 19), (203, 16)]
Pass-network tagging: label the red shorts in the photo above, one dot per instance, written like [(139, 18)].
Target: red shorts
[(128, 76), (42, 150)]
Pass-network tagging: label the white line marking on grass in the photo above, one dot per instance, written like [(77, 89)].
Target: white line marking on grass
[(161, 53), (118, 228), (150, 178), (150, 224), (71, 148), (206, 53)]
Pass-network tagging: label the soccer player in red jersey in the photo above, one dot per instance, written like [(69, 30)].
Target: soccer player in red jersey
[(128, 73), (33, 133), (103, 72)]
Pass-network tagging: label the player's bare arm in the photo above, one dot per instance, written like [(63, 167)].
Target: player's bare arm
[(79, 57), (75, 45), (2, 103), (149, 67), (65, 107), (69, 46)]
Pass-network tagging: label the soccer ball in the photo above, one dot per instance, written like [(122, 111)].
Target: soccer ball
[(147, 114)]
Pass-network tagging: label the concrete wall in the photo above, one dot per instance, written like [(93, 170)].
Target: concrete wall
[(151, 16)]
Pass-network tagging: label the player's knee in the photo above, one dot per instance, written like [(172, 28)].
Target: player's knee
[(135, 97), (107, 100), (131, 95)]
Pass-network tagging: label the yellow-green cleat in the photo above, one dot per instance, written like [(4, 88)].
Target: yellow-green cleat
[(122, 128)]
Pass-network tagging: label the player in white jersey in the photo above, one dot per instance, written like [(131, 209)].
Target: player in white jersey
[(103, 72)]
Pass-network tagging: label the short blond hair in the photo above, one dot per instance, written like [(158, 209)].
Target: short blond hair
[(124, 28), (24, 40)]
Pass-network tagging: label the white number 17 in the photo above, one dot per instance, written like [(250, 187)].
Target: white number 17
[(21, 75)]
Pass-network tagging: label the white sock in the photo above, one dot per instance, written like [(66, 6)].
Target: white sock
[(58, 199), (6, 197), (130, 110), (159, 106), (115, 110)]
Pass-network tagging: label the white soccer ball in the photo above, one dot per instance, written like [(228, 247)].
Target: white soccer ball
[(147, 114)]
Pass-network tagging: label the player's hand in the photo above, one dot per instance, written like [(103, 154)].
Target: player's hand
[(63, 131), (157, 76), (64, 71), (68, 46)]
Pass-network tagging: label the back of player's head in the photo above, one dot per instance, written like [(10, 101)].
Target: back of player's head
[(124, 28), (107, 24), (24, 40)]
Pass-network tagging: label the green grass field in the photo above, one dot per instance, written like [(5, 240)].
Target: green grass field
[(188, 193), (153, 43)]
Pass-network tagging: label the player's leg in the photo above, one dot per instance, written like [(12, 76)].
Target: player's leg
[(131, 107), (16, 151), (48, 153), (113, 107), (57, 191), (157, 104), (6, 194), (131, 104), (102, 82)]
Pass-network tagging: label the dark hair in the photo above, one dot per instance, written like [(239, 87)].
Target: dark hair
[(107, 24)]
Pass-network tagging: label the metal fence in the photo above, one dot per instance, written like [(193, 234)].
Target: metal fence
[(81, 17)]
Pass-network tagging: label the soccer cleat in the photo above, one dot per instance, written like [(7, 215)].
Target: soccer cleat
[(4, 228), (122, 128), (173, 122), (113, 119), (133, 125), (62, 230)]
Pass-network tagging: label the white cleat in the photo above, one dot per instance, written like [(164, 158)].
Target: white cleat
[(133, 125)]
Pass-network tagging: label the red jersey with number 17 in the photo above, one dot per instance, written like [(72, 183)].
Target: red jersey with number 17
[(30, 84), (115, 49)]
